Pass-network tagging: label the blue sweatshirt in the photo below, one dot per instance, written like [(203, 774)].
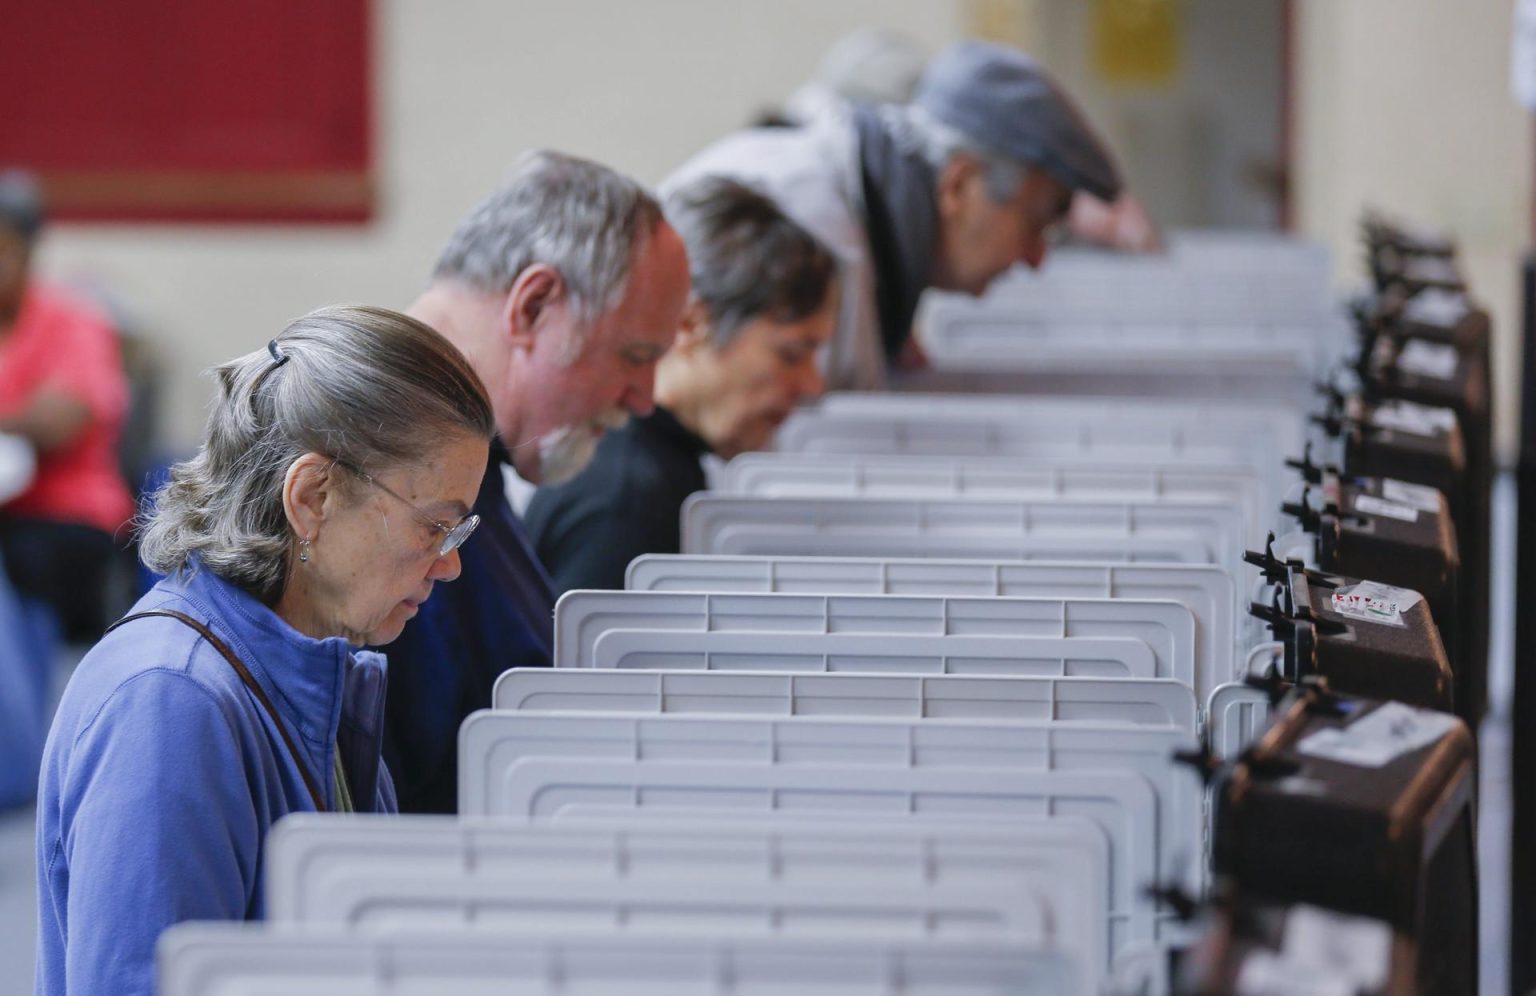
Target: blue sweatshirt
[(163, 772)]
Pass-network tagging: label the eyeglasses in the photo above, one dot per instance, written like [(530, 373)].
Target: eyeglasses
[(453, 536)]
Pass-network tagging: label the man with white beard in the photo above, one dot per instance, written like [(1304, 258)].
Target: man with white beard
[(562, 289)]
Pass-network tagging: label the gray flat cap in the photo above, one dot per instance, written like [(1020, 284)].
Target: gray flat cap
[(1002, 99)]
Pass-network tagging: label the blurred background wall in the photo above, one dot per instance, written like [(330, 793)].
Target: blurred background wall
[(1406, 105), (1403, 104)]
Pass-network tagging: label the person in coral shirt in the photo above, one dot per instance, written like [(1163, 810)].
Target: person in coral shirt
[(62, 389)]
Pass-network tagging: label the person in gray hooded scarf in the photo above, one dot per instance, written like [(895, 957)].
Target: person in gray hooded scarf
[(949, 191)]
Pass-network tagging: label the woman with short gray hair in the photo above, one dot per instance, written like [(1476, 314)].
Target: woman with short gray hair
[(764, 302), (332, 491)]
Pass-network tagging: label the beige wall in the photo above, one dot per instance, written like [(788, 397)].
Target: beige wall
[(464, 87), (1405, 105)]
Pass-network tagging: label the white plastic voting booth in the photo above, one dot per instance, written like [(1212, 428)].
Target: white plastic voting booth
[(1039, 428), (1239, 712), (236, 959), (567, 765), (1035, 430), (1040, 885), (1220, 350), (991, 528), (1206, 590), (772, 475), (1147, 701), (1199, 274), (1069, 361), (1168, 297), (967, 529), (1238, 715), (924, 633), (1164, 429), (1283, 417), (1014, 335), (1145, 291), (1234, 249), (1064, 743)]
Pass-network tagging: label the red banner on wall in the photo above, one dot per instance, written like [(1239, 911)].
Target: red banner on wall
[(191, 110)]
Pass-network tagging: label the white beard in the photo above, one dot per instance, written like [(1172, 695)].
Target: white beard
[(565, 451)]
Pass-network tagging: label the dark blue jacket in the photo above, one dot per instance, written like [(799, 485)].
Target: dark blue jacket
[(163, 773), (499, 614)]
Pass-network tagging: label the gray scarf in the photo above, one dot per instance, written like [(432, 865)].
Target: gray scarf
[(900, 216)]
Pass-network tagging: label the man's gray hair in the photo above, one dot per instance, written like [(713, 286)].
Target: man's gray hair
[(583, 219), (938, 143), (370, 387), (747, 258)]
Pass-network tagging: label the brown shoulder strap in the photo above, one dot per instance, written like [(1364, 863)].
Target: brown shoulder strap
[(250, 683)]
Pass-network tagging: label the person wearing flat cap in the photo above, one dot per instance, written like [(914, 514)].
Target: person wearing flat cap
[(948, 191)]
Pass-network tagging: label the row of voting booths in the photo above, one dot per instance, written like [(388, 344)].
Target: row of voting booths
[(1135, 646)]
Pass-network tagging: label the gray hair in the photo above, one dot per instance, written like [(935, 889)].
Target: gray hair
[(938, 143), (747, 257), (583, 219), (370, 387)]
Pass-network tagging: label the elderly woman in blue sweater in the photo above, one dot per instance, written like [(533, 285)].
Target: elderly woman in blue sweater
[(331, 492)]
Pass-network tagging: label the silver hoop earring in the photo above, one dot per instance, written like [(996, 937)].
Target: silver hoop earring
[(304, 550)]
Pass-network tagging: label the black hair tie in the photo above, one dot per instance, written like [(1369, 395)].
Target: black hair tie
[(278, 356)]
